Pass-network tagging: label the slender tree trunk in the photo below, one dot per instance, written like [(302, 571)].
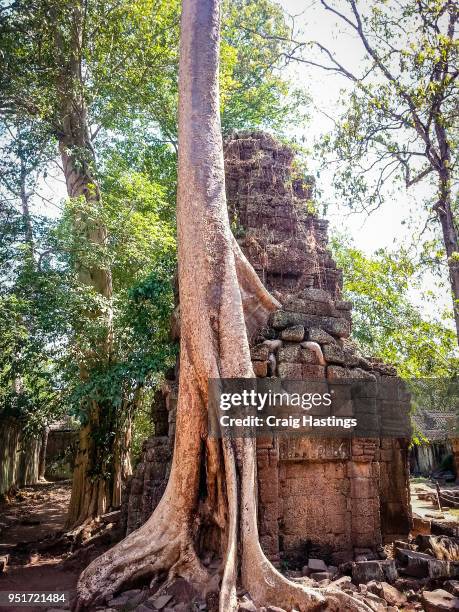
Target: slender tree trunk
[(450, 240), (42, 457), (27, 220), (99, 466), (221, 301)]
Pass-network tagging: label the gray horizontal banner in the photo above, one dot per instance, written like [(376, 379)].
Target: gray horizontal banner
[(339, 408), (33, 599)]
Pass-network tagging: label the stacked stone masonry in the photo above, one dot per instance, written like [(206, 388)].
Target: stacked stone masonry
[(344, 495)]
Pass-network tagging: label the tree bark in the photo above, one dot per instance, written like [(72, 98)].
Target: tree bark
[(99, 467), (42, 456), (450, 239), (220, 294)]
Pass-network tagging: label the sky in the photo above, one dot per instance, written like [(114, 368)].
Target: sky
[(384, 228)]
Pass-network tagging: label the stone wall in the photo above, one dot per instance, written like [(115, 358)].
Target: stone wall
[(341, 494), (61, 450), (19, 456)]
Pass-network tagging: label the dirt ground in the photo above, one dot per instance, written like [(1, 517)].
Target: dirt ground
[(33, 515)]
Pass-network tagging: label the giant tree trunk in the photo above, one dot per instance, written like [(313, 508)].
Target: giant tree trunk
[(101, 463), (221, 301)]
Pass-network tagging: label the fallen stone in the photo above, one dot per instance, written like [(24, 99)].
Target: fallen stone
[(111, 517), (160, 602), (274, 609), (375, 603), (316, 565), (439, 601), (387, 592), (452, 586), (379, 570), (144, 608), (342, 582), (422, 565), (421, 525), (293, 334), (181, 590)]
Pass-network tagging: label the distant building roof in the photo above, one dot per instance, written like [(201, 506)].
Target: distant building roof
[(436, 425)]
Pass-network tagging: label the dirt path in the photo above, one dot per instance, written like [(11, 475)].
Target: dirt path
[(36, 513)]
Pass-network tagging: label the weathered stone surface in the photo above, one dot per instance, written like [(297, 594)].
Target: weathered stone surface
[(260, 352), (301, 371), (320, 336), (380, 571), (439, 601), (387, 592), (452, 586), (317, 565), (422, 565), (314, 348), (342, 582), (260, 368), (443, 547), (293, 334), (375, 603)]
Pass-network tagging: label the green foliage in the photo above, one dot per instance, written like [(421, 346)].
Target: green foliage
[(386, 322), (117, 62), (31, 326), (129, 60)]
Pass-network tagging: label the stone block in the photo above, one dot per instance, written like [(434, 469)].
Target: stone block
[(290, 353), (363, 488), (301, 371), (359, 469), (422, 565), (439, 601), (260, 352), (260, 368), (319, 335), (293, 334), (381, 571), (317, 565)]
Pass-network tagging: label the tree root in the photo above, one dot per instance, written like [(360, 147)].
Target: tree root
[(162, 544)]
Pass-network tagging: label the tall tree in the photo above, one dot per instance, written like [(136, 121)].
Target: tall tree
[(92, 73), (401, 121), (222, 302)]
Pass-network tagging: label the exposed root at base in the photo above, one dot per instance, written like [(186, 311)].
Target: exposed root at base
[(161, 545)]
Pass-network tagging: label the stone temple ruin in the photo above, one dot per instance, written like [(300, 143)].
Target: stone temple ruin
[(345, 496)]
